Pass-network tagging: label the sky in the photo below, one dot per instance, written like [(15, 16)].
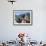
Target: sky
[(20, 12)]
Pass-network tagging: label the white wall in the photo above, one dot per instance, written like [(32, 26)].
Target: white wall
[(37, 31)]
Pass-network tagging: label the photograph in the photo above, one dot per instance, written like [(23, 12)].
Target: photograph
[(22, 17)]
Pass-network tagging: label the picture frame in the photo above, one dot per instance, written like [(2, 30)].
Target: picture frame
[(22, 17)]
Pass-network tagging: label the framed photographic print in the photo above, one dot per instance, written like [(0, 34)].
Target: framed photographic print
[(22, 17)]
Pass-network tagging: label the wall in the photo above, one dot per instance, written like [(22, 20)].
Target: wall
[(37, 31)]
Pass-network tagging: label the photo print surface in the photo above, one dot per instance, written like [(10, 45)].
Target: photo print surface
[(22, 17)]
